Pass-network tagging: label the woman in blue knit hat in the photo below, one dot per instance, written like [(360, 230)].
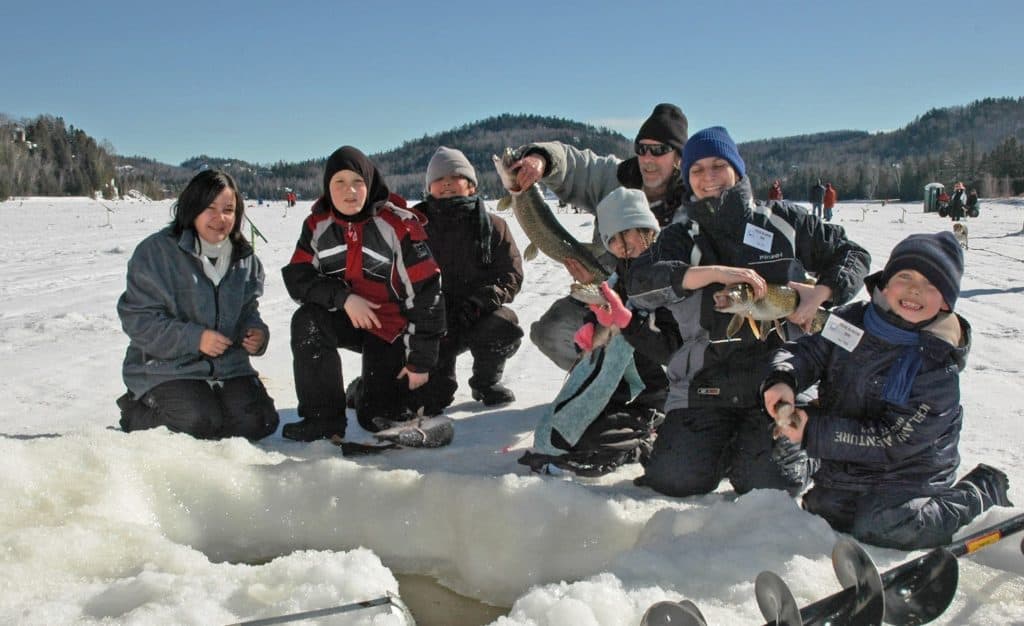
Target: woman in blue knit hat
[(715, 427)]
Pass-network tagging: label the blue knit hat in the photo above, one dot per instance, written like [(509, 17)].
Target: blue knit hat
[(712, 142), (937, 256)]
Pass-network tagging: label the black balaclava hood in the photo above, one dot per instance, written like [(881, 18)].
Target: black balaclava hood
[(352, 159)]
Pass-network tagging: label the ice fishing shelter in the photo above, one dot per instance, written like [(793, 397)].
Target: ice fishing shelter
[(931, 196)]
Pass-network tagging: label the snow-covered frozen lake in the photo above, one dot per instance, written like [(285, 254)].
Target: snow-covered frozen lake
[(97, 526)]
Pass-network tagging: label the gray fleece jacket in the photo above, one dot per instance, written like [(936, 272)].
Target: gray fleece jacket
[(169, 302)]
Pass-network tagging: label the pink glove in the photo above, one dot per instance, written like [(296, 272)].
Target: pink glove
[(615, 312), (584, 337)]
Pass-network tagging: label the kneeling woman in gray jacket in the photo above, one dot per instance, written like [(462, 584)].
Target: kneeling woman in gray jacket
[(191, 314)]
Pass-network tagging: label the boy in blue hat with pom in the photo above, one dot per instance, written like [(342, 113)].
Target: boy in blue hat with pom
[(886, 425)]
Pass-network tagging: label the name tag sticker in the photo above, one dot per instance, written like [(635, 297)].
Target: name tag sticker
[(842, 333), (757, 237)]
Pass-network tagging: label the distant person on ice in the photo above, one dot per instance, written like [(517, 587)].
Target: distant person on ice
[(886, 425), (958, 203), (714, 426), (481, 272), (191, 314), (943, 203), (365, 281), (829, 201), (775, 191), (817, 196), (583, 179), (971, 206)]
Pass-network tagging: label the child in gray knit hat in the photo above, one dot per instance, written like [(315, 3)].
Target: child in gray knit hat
[(627, 228), (610, 407), (625, 214), (481, 273), (449, 162)]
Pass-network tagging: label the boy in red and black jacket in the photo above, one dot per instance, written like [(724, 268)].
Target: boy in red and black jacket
[(366, 281)]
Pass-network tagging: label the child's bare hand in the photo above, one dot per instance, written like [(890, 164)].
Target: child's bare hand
[(360, 312), (792, 428), (416, 379), (776, 394)]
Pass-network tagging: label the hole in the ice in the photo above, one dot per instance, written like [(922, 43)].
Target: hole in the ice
[(433, 604)]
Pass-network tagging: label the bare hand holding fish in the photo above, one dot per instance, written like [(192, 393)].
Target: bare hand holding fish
[(546, 233), (790, 421), (528, 171)]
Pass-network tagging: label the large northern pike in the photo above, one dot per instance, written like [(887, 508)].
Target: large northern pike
[(777, 304), (546, 233)]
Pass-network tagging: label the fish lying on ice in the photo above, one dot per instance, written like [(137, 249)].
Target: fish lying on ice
[(420, 432)]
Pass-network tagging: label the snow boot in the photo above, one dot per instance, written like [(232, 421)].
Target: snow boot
[(310, 429), (990, 484), (494, 395), (488, 367), (355, 389)]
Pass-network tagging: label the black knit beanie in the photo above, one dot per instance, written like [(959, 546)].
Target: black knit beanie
[(666, 124), (937, 256), (349, 158)]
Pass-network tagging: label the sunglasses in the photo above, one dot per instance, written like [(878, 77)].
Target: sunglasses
[(653, 149)]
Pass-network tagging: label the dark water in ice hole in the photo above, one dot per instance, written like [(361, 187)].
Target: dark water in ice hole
[(433, 604)]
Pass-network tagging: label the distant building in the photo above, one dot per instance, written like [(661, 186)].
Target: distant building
[(19, 136)]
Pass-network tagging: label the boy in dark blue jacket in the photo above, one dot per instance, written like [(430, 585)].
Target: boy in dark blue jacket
[(886, 425)]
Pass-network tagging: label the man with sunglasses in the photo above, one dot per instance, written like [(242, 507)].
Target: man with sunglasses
[(583, 178)]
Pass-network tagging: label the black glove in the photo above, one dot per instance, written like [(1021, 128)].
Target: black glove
[(487, 299), (467, 313)]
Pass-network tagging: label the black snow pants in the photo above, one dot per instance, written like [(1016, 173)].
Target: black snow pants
[(491, 341), (316, 335), (696, 448), (236, 407)]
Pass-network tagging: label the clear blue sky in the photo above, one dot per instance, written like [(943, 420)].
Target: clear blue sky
[(268, 81)]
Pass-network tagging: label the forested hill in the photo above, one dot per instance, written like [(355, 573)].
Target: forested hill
[(406, 166), (981, 144)]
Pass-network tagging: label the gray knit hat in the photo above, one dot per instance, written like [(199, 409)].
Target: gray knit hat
[(449, 162), (623, 209)]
